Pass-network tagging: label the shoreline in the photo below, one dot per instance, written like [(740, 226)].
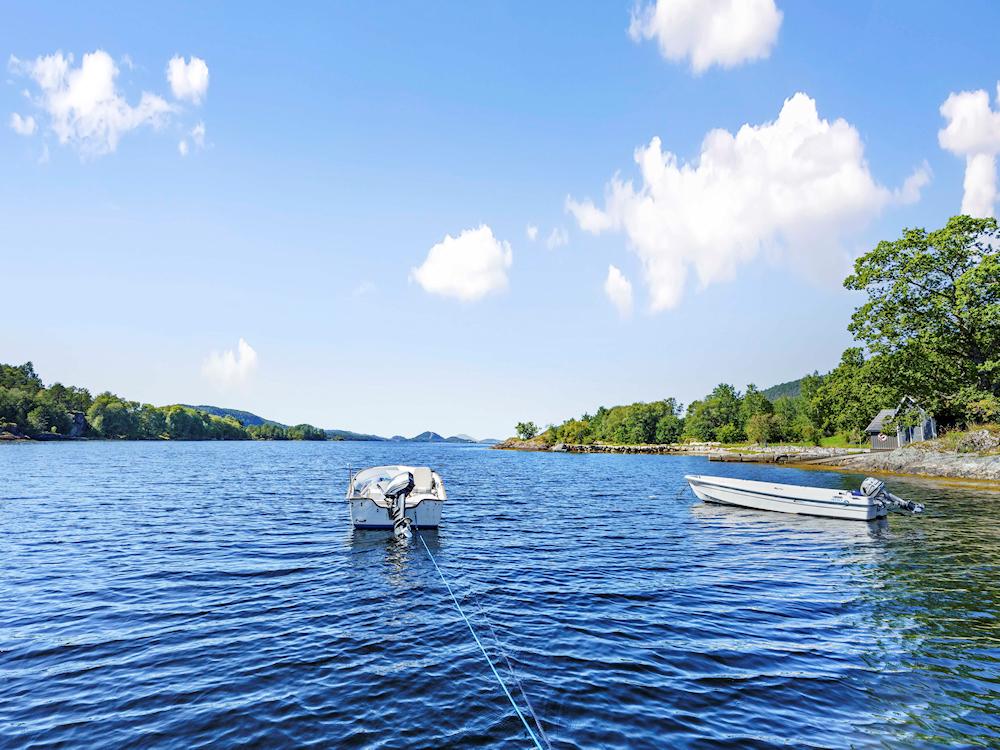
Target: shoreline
[(918, 462)]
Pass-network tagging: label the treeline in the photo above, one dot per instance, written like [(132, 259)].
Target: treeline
[(29, 408), (930, 329), (724, 415)]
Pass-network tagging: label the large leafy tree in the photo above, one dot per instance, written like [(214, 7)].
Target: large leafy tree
[(851, 395), (932, 317)]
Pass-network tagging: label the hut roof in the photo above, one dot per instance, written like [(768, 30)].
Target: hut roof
[(880, 420)]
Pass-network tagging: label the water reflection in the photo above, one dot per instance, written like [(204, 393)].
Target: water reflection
[(380, 553), (769, 521)]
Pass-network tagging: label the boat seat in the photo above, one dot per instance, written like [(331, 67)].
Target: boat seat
[(423, 480)]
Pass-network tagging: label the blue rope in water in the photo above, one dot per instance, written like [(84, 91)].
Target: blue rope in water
[(480, 644)]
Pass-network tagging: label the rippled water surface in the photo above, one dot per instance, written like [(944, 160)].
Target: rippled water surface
[(189, 595)]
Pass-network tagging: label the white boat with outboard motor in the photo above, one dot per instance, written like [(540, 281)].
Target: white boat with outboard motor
[(396, 497), (871, 502)]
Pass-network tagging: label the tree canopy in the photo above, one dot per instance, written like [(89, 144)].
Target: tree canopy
[(932, 317)]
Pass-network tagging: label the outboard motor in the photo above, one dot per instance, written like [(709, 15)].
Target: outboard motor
[(875, 489), (396, 492)]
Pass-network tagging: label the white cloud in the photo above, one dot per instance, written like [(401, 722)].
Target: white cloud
[(973, 131), (363, 289), (230, 368), (84, 105), (793, 187), (532, 232), (467, 267), (726, 33), (188, 80), (197, 137), (912, 185), (22, 125), (619, 291), (557, 238)]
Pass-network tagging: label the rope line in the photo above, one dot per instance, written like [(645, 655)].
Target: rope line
[(481, 648), (517, 680)]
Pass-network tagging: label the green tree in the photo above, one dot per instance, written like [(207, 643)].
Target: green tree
[(526, 430), (71, 398), (761, 428), (932, 317), (111, 417), (721, 407), (851, 395), (305, 432), (22, 377), (729, 433), (753, 403), (152, 422)]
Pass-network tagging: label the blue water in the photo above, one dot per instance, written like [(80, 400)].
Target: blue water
[(187, 595)]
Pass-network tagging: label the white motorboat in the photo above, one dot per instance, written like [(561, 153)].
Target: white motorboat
[(872, 501), (396, 497)]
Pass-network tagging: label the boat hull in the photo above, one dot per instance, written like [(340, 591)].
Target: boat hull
[(366, 514), (786, 498)]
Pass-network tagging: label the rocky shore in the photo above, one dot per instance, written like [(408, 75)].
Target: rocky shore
[(925, 459), (925, 462)]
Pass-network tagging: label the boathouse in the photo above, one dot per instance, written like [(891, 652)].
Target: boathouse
[(914, 425)]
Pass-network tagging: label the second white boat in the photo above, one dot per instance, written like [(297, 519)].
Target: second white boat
[(872, 501)]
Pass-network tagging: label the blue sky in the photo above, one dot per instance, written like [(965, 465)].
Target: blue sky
[(342, 145)]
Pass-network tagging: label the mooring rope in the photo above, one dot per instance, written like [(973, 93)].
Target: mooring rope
[(481, 648), (517, 680)]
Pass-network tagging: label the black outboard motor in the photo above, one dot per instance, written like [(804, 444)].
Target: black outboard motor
[(396, 492), (875, 489)]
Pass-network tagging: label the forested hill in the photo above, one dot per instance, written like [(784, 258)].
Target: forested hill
[(246, 418), (30, 409), (791, 389)]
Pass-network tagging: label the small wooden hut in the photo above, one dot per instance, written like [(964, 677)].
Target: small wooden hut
[(913, 425)]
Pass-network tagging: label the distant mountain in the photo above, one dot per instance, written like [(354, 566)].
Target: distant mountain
[(489, 441), (247, 419), (791, 389), (427, 437), (348, 435)]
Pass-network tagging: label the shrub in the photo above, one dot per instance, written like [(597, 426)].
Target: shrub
[(728, 433)]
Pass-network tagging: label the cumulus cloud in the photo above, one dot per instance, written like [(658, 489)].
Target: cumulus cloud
[(793, 187), (22, 125), (229, 368), (726, 33), (188, 80), (973, 131), (467, 267), (619, 290), (84, 106), (557, 238), (532, 231), (183, 148)]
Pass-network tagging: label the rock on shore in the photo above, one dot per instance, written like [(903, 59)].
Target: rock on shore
[(925, 462)]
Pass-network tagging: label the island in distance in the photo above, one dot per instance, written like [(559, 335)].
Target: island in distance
[(248, 419)]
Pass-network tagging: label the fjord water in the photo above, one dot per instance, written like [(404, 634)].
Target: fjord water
[(186, 595)]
